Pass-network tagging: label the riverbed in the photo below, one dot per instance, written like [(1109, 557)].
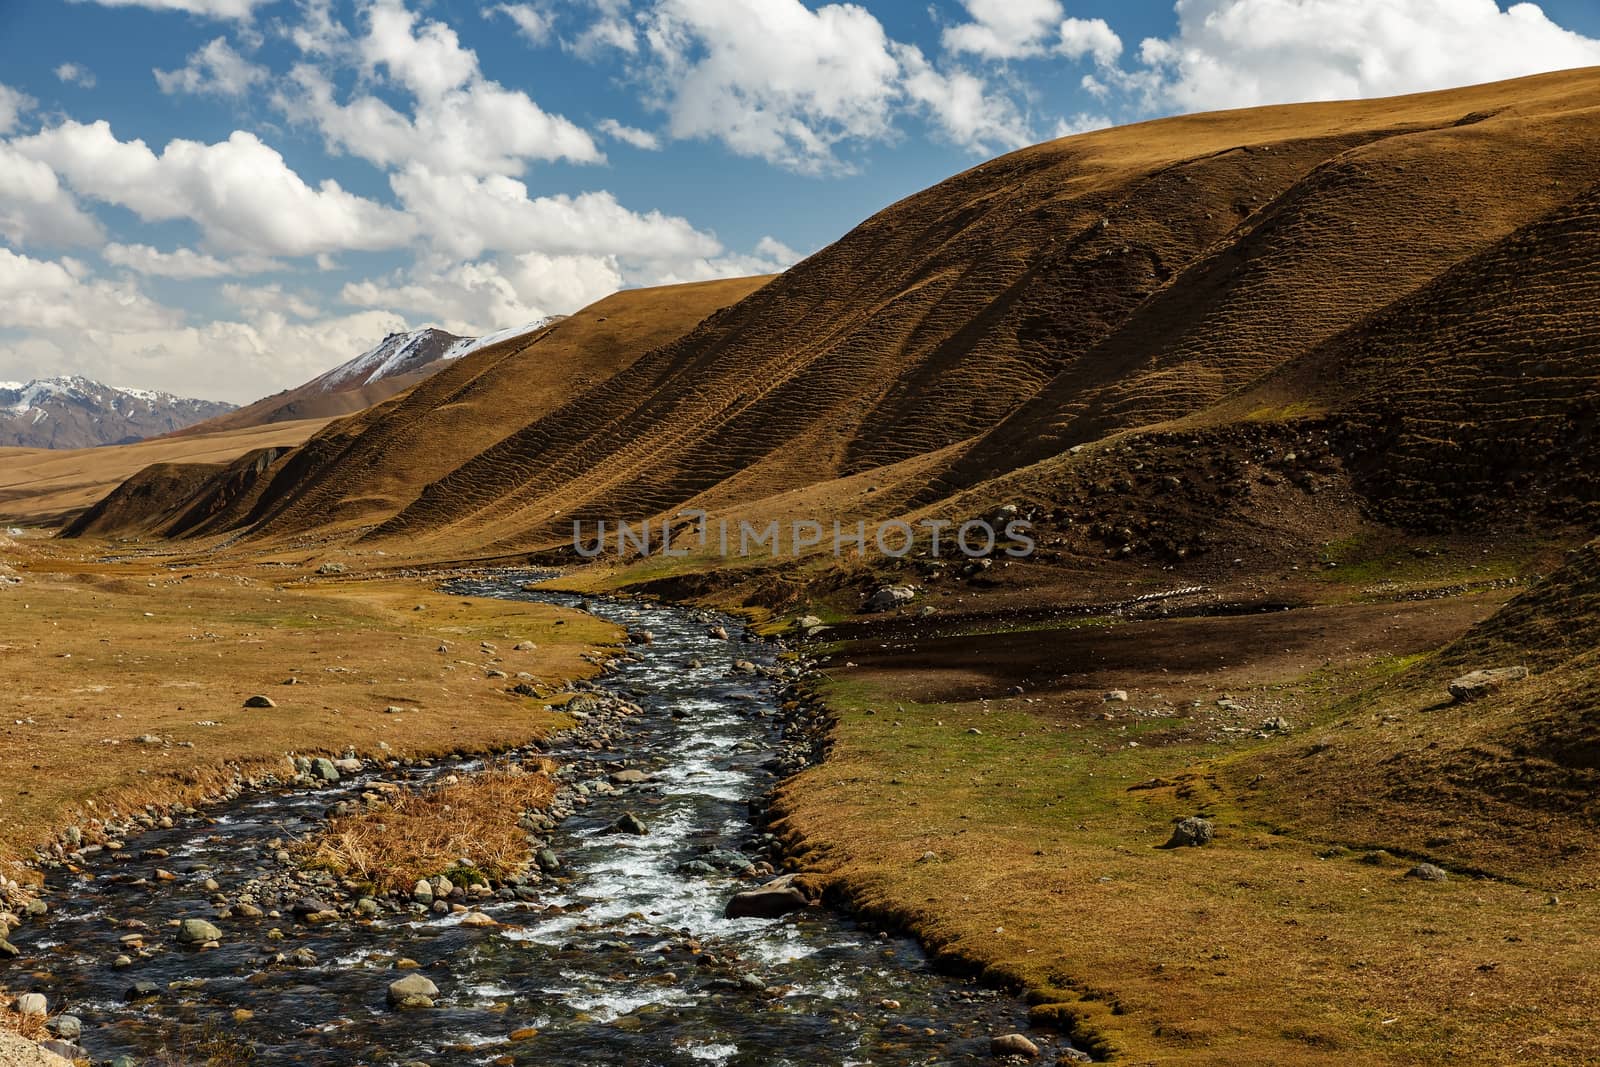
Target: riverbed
[(621, 956)]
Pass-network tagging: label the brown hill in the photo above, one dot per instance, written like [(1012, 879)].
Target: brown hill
[(363, 469)]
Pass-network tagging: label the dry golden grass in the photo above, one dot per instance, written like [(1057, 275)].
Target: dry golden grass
[(42, 485), (97, 655), (419, 835), (31, 1027)]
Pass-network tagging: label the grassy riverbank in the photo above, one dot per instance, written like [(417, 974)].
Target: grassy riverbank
[(125, 682), (1020, 834)]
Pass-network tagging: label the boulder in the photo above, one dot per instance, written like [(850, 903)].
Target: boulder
[(259, 701), (772, 901), (629, 823), (1117, 696), (1427, 872), (1479, 684), (422, 892), (1191, 832), (323, 768), (198, 932), (1013, 1045), (890, 597), (412, 991)]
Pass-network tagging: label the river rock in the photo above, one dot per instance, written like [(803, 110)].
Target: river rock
[(1479, 684), (323, 768), (422, 892), (66, 1050), (67, 1027), (1013, 1045), (547, 860), (629, 777), (141, 991), (32, 1004), (629, 823), (1191, 832), (8, 951), (477, 918), (889, 597), (18, 1051), (259, 701), (772, 901), (198, 932), (412, 991)]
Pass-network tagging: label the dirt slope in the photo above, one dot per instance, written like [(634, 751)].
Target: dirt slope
[(1051, 296)]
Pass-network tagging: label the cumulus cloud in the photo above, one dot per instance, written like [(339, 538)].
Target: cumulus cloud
[(962, 107), (461, 120), (213, 68), (1078, 38), (261, 302), (772, 78), (629, 135), (610, 28), (216, 9), (76, 74), (35, 209), (50, 294), (239, 192), (183, 263), (13, 102), (533, 24), (1239, 53), (480, 296), (1026, 29)]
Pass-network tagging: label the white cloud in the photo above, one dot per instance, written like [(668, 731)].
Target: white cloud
[(533, 24), (1238, 53), (465, 216), (772, 78), (13, 102), (76, 74), (612, 28), (36, 209), (1089, 37), (461, 121), (214, 68), (629, 135), (183, 263), (962, 107), (1004, 29), (240, 192), (48, 294), (1082, 122), (217, 9), (476, 297), (260, 302)]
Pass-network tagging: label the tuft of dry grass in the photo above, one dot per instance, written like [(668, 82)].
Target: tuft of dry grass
[(419, 835), (29, 1026)]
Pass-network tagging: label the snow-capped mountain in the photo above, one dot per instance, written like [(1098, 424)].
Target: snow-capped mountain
[(76, 412), (394, 365)]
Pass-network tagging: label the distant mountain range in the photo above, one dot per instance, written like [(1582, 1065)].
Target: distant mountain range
[(75, 412)]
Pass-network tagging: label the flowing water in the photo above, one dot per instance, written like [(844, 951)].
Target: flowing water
[(603, 964)]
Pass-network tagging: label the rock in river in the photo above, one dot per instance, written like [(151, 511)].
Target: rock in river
[(1013, 1045), (198, 932), (772, 901), (412, 991), (629, 823)]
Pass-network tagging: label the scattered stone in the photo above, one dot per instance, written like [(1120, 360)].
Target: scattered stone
[(524, 646), (412, 991), (1191, 832), (629, 823), (260, 701), (1275, 725), (331, 568), (1479, 684), (141, 991), (1427, 872), (32, 1004), (719, 632), (772, 901), (198, 932), (1013, 1045), (889, 597), (67, 1027), (1117, 696)]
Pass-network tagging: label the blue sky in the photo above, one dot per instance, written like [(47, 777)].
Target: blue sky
[(224, 197)]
